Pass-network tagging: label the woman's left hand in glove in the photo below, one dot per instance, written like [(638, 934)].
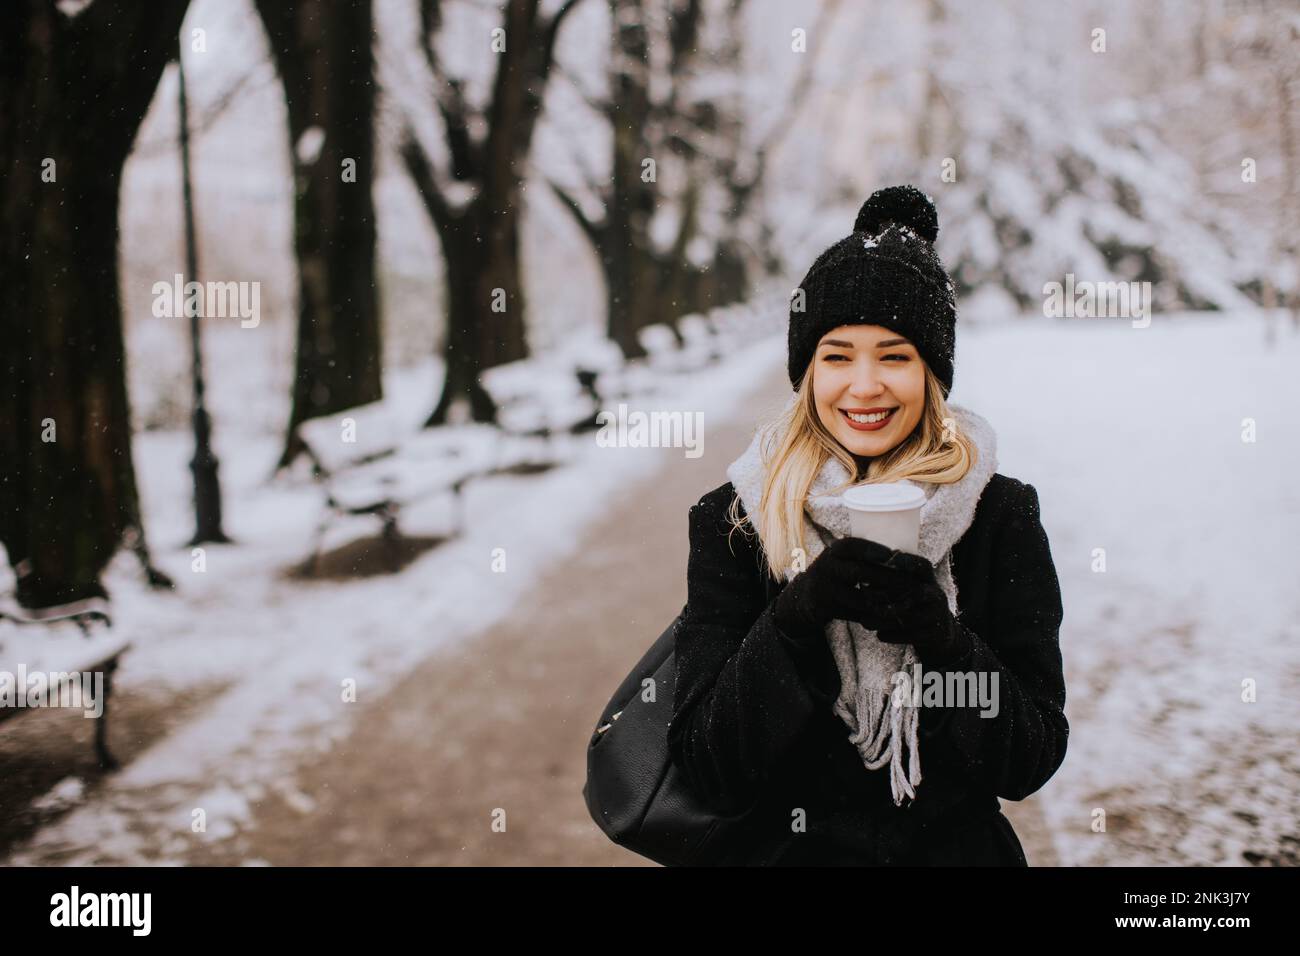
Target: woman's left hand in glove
[(909, 607)]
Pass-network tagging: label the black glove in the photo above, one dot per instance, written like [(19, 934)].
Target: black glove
[(891, 592), (909, 607), (829, 588)]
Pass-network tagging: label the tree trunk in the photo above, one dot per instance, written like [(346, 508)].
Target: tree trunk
[(322, 50), (74, 93), (480, 240), (468, 319), (631, 283)]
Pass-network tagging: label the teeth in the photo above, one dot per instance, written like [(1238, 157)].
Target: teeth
[(867, 419)]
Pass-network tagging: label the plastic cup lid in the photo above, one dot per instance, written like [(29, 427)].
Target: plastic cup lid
[(891, 496)]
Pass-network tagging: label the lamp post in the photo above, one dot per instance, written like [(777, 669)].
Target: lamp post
[(207, 487)]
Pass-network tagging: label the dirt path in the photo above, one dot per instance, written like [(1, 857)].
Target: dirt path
[(501, 723)]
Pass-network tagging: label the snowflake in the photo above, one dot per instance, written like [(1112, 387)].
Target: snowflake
[(869, 243)]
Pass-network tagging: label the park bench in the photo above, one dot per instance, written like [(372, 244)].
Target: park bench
[(605, 374), (62, 643), (699, 346), (543, 398), (369, 462), (702, 336), (660, 344)]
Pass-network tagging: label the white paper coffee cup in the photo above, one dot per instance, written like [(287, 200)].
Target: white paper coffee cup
[(888, 513)]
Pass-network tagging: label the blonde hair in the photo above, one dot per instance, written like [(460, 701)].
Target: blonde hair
[(936, 451)]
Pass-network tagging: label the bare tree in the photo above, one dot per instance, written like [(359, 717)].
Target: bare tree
[(74, 92), (475, 204), (696, 133), (323, 51)]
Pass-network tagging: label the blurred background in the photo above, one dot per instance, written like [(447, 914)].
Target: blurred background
[(346, 525)]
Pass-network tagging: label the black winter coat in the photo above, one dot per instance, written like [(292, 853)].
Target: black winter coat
[(753, 725)]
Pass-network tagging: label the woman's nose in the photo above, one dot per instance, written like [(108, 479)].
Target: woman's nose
[(865, 382)]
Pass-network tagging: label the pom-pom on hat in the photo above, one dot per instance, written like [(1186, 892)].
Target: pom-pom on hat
[(884, 273)]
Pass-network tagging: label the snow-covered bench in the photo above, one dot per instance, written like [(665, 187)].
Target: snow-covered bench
[(370, 462), (542, 398), (60, 651), (603, 373), (701, 336), (660, 344), (699, 346)]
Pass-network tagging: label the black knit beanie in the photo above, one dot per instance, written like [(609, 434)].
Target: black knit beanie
[(886, 273)]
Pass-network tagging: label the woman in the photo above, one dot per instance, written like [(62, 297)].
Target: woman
[(789, 707)]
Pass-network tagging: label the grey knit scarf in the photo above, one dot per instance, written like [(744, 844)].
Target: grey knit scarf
[(866, 664)]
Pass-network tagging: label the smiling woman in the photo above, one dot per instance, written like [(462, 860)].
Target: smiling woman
[(791, 639)]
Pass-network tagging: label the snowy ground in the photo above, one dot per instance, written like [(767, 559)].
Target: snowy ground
[(1131, 436)]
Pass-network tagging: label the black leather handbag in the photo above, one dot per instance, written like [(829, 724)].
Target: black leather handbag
[(634, 792)]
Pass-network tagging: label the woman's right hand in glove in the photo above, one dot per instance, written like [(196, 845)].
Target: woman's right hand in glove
[(839, 585)]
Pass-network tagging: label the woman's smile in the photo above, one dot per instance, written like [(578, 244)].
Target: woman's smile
[(868, 420)]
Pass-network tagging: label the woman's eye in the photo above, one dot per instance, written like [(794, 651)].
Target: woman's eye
[(896, 355), (833, 357)]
